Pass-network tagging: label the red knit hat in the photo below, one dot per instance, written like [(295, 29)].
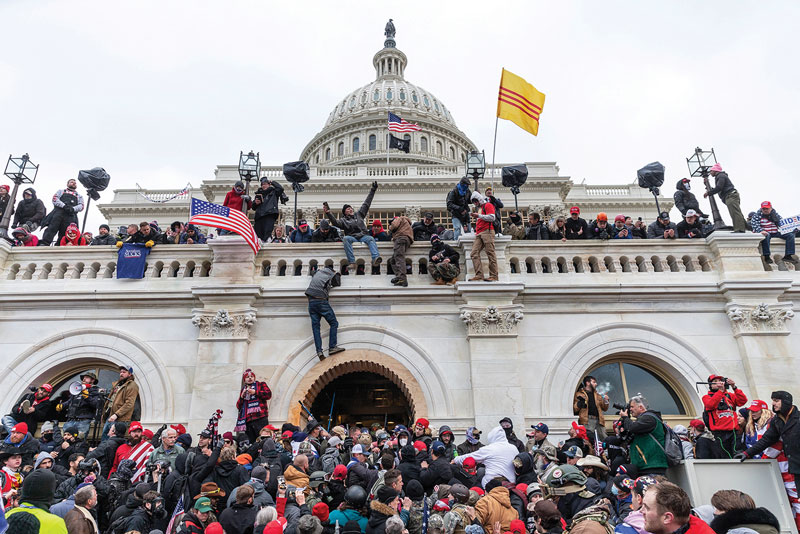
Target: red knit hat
[(339, 472), (422, 421), (480, 491), (22, 428), (321, 511), (420, 446), (147, 433), (517, 526), (580, 430), (214, 528), (697, 423)]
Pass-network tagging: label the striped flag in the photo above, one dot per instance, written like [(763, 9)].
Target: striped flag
[(217, 216), (178, 510), (519, 102), (140, 454), (396, 124)]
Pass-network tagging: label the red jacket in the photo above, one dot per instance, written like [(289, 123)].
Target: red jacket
[(233, 200), (481, 225), (263, 394), (721, 408), (698, 526)]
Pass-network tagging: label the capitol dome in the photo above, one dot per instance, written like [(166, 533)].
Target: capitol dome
[(356, 129)]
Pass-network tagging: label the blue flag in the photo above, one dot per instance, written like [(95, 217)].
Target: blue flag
[(131, 260)]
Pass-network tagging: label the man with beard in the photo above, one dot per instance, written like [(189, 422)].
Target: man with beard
[(443, 262), (67, 202), (32, 409), (252, 406), (121, 399), (104, 236), (508, 427), (30, 211), (124, 450), (23, 442)]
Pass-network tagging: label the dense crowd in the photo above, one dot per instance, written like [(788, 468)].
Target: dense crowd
[(464, 206), (258, 478)]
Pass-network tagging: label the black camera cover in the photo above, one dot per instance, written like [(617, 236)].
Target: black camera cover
[(296, 172), (94, 180), (651, 175), (515, 175)]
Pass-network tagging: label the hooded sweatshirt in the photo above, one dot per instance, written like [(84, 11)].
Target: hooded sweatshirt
[(73, 237), (26, 239), (29, 209), (497, 456)]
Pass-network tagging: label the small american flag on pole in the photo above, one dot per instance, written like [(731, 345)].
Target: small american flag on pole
[(209, 214), (396, 124)]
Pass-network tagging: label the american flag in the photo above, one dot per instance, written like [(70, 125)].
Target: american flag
[(209, 214), (140, 454), (178, 510), (396, 124)]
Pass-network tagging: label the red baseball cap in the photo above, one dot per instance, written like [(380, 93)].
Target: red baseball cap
[(47, 387), (766, 204), (136, 425), (757, 405), (517, 526), (574, 209), (469, 463), (697, 423), (287, 435), (619, 218), (424, 422), (715, 377), (179, 428), (339, 472), (420, 446), (270, 427)]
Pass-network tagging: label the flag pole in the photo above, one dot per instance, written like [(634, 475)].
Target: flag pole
[(494, 147), (387, 139)]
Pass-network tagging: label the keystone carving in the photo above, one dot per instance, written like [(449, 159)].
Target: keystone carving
[(224, 324), (762, 318), (413, 213), (492, 321)]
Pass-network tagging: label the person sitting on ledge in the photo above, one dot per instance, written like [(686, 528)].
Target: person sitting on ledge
[(355, 229), (325, 234)]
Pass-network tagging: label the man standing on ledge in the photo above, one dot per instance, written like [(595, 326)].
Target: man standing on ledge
[(484, 238), (318, 306), (729, 195)]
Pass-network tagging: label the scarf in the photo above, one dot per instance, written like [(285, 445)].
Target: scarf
[(88, 515), (250, 405), (462, 188)]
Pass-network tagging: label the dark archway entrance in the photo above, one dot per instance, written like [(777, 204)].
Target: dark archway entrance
[(362, 398)]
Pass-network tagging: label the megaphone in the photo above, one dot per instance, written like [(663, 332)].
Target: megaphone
[(75, 388)]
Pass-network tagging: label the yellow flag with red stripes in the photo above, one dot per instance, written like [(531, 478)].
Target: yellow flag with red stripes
[(519, 102)]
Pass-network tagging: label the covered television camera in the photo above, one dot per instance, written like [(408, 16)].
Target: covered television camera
[(94, 180), (515, 176), (651, 177), (296, 172)]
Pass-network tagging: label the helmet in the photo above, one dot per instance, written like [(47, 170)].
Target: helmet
[(562, 480), (382, 435), (356, 496), (316, 478)]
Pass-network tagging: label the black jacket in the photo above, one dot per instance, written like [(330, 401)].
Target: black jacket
[(498, 205), (447, 252), (78, 446), (595, 232), (378, 514), (28, 448), (331, 237), (29, 210), (408, 465), (354, 225), (685, 200), (105, 452), (787, 429), (228, 475), (656, 230), (762, 517), (132, 503), (107, 239), (438, 472), (686, 230), (722, 186), (573, 227), (537, 232), (43, 411), (359, 474), (139, 521), (457, 203), (422, 231), (269, 198), (238, 518), (80, 407)]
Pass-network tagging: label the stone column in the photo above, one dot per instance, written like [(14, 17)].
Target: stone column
[(491, 321)]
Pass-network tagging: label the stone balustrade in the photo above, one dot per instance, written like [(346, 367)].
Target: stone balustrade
[(518, 260)]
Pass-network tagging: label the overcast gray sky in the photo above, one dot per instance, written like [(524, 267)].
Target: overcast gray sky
[(160, 92)]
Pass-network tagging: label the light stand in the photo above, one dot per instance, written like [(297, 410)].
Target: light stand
[(94, 180), (699, 164), (20, 170), (296, 172), (249, 169), (476, 166), (513, 177)]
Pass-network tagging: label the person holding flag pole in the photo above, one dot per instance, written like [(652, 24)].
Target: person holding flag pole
[(519, 102)]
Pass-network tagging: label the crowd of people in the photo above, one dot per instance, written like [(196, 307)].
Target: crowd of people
[(258, 478), (466, 208)]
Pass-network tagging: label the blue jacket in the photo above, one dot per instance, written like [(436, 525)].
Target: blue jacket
[(300, 237), (61, 508)]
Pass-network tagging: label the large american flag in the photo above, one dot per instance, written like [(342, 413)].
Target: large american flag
[(209, 214), (396, 124), (140, 454)]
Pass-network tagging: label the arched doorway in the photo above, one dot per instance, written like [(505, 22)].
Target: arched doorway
[(362, 398)]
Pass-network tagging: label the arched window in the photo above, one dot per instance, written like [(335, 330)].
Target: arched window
[(426, 101), (373, 142), (436, 105), (402, 95), (414, 98), (352, 102), (363, 98), (340, 149), (389, 94), (621, 379), (356, 143), (423, 144), (438, 148), (327, 154), (376, 95), (452, 153)]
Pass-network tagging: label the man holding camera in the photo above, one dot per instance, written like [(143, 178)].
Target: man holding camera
[(265, 202), (589, 406), (67, 202), (646, 435), (720, 413)]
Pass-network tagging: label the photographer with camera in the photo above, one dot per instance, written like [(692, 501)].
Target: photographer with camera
[(646, 436), (719, 413), (265, 202), (590, 406)]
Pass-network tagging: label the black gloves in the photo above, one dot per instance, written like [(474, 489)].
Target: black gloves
[(348, 442), (742, 456), (375, 185), (581, 403)]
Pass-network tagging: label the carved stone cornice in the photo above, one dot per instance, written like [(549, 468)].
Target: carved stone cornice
[(224, 324), (493, 321), (759, 319)]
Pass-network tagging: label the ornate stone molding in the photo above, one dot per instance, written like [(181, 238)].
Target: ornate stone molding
[(759, 319), (492, 322), (224, 324), (413, 213)]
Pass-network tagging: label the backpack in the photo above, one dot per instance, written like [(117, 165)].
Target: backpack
[(673, 449), (118, 526)]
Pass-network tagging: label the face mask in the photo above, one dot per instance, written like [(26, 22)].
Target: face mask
[(403, 442), (614, 490), (687, 186)]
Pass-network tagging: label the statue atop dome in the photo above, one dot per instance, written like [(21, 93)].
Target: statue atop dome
[(389, 32)]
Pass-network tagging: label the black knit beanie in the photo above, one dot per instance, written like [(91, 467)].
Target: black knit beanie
[(39, 488)]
